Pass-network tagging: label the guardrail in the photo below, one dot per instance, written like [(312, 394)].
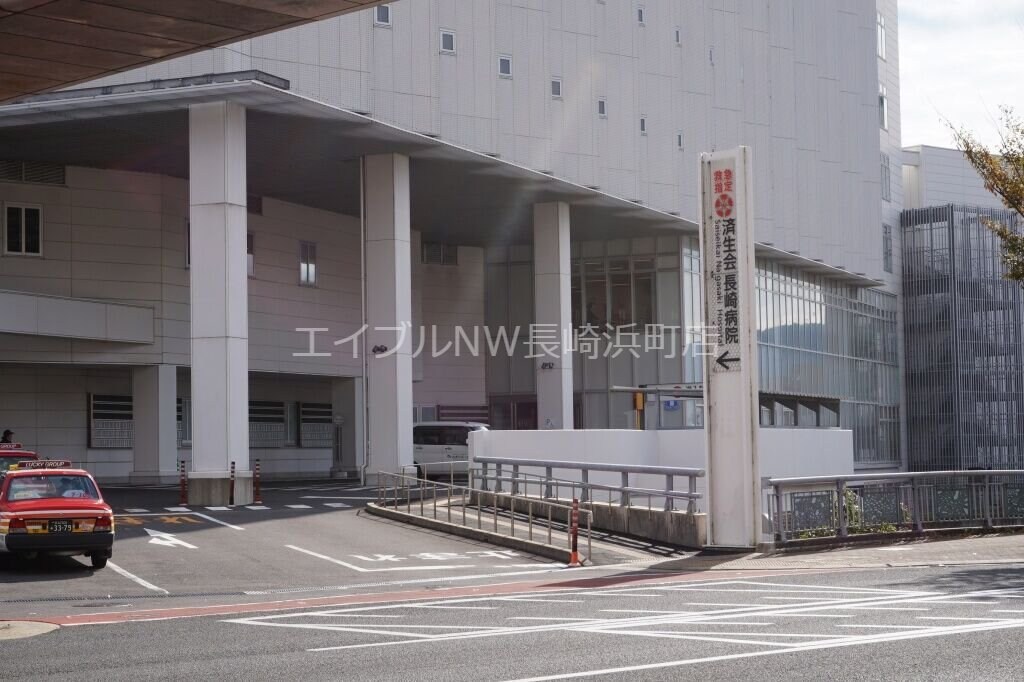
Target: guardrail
[(550, 487), (524, 518), (825, 506)]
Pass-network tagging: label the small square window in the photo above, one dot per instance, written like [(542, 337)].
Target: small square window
[(23, 230), (556, 87), (307, 264), (602, 107), (505, 66), (447, 41), (679, 36), (382, 15), (643, 125), (679, 140), (640, 15), (250, 255)]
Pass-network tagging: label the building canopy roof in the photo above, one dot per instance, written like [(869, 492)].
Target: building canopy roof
[(50, 44)]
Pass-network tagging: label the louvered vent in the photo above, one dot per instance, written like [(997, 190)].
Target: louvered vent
[(32, 171)]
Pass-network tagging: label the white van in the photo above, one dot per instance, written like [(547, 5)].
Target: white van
[(442, 448)]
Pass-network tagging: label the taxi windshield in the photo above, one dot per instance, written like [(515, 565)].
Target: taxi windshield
[(46, 486)]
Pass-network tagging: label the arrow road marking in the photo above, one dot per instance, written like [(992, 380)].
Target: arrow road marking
[(158, 537)]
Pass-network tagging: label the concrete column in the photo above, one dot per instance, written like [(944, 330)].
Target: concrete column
[(219, 304), (348, 409), (154, 407), (388, 312), (552, 306)]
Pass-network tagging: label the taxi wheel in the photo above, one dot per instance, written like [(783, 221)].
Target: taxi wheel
[(99, 560)]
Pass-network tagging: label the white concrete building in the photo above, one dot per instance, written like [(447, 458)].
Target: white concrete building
[(441, 163)]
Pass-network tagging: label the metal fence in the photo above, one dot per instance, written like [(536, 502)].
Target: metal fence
[(505, 513), (502, 470), (840, 506)]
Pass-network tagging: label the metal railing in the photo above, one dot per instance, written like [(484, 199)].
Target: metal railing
[(507, 514), (826, 506), (508, 470)]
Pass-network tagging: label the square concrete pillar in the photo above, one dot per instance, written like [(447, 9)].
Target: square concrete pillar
[(388, 312), (219, 303), (553, 314), (154, 408)]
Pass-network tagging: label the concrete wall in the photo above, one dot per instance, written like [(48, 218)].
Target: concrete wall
[(783, 452), (796, 80)]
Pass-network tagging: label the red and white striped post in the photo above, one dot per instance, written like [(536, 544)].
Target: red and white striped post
[(182, 484), (257, 497), (231, 486), (574, 533)]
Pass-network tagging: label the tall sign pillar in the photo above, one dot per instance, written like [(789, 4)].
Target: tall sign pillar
[(730, 360)]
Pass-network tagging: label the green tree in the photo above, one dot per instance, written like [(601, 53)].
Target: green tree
[(1002, 169)]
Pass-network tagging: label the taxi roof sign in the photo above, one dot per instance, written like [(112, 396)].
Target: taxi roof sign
[(11, 446), (44, 464)]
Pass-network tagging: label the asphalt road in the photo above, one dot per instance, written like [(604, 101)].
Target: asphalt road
[(305, 591)]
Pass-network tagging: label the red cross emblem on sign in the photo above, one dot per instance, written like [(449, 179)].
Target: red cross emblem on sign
[(723, 205)]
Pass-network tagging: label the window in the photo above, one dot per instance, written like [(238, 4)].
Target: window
[(679, 141), (640, 15), (307, 264), (188, 244), (382, 15), (883, 107), (447, 41), (881, 36), (556, 87), (110, 421), (887, 247), (433, 253), (249, 255), (602, 107), (886, 178), (679, 35), (316, 428), (643, 125), (505, 66), (23, 230)]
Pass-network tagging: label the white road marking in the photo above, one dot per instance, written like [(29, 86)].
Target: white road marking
[(886, 627), (136, 510), (1007, 611), (256, 507), (960, 618), (328, 497), (157, 537), (550, 601), (460, 608), (177, 509), (585, 620), (853, 641), (701, 638), (136, 579), (298, 506), (218, 521), (337, 505), (219, 508), (674, 613), (884, 608), (360, 569)]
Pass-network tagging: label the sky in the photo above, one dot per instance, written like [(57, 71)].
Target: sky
[(960, 60)]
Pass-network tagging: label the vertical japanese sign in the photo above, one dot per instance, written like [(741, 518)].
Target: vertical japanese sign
[(730, 372)]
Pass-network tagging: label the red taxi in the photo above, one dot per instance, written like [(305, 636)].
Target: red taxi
[(12, 453), (46, 507)]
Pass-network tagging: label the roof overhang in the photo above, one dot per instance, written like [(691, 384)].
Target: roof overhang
[(816, 267), (307, 152), (51, 44)]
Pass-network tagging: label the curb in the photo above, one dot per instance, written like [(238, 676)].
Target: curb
[(546, 551)]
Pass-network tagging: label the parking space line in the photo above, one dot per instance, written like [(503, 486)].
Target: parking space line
[(886, 627), (256, 507), (548, 601), (136, 579), (884, 608), (137, 510), (337, 505), (960, 618), (670, 635), (219, 508), (213, 520), (298, 506), (456, 608), (1007, 611), (177, 509)]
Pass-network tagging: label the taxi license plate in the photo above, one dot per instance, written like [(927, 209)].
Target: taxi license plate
[(61, 526)]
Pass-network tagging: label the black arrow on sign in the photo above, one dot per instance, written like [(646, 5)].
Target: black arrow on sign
[(724, 360)]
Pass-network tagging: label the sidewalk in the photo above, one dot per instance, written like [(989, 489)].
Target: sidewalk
[(986, 549)]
